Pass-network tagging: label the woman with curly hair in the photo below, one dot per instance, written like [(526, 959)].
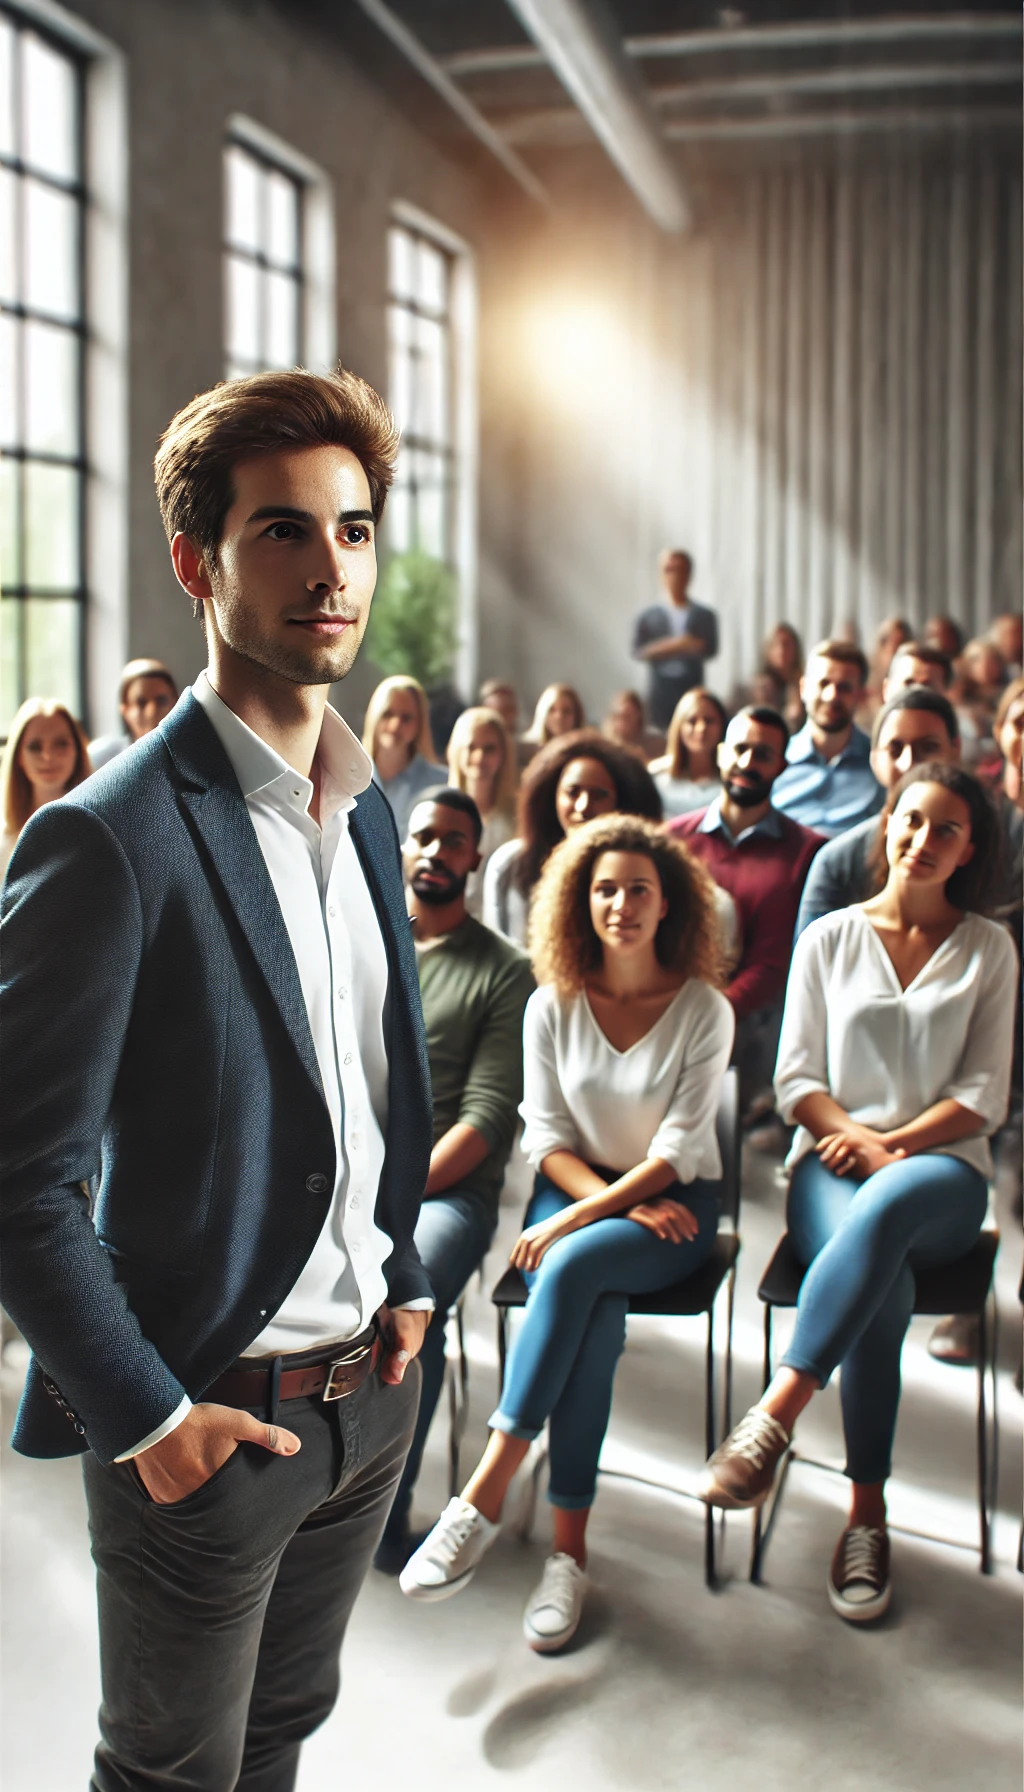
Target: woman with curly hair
[(572, 780), (625, 1044), (894, 1065)]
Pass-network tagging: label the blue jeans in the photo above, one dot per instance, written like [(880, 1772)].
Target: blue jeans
[(452, 1235), (862, 1240), (563, 1363)]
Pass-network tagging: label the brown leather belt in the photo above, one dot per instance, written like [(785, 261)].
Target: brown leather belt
[(336, 1376)]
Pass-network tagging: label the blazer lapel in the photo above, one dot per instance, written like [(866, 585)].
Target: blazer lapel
[(211, 796)]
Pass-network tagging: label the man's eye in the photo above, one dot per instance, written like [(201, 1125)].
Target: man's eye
[(275, 531), (356, 532)]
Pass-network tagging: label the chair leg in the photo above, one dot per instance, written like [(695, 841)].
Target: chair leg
[(759, 1539), (727, 1389), (458, 1403), (502, 1347), (710, 1574), (983, 1469)]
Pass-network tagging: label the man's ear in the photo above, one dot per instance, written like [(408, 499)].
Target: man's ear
[(190, 568), (477, 862), (719, 750)]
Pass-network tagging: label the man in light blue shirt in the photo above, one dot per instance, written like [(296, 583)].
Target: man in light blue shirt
[(828, 784)]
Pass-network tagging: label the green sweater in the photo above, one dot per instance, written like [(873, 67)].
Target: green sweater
[(475, 986)]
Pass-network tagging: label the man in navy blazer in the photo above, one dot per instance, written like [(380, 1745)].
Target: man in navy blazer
[(211, 1004)]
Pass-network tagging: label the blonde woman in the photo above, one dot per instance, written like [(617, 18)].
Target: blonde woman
[(687, 776), (559, 711), (626, 724), (482, 762), (396, 734), (625, 1044), (46, 755)]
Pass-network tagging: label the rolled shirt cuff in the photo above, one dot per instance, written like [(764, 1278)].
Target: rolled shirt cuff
[(180, 1412), (424, 1305)]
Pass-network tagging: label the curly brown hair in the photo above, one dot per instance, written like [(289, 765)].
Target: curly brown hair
[(563, 944)]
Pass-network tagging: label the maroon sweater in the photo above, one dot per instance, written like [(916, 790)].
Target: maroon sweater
[(765, 878)]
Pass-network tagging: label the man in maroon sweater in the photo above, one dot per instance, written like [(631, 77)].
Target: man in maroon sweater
[(761, 857)]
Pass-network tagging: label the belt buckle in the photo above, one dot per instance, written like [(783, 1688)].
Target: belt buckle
[(344, 1362)]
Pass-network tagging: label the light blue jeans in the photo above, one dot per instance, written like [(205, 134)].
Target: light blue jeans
[(862, 1240), (563, 1363)]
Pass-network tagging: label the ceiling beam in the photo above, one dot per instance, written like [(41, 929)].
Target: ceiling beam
[(442, 83), (851, 123), (580, 41), (887, 77), (822, 33)]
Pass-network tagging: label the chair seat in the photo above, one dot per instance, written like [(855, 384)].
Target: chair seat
[(958, 1287), (681, 1300)]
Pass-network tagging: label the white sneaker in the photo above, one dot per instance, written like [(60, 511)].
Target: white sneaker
[(447, 1558), (556, 1606)]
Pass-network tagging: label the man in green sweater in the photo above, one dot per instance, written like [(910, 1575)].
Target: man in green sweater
[(474, 986)]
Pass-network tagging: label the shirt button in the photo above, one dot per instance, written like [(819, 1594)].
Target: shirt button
[(342, 993), (354, 1201), (317, 1184), (332, 912), (348, 1058)]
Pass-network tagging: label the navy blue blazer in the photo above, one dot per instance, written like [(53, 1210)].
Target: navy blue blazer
[(154, 1029)]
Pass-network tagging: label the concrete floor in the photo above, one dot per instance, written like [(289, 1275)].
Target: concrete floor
[(667, 1684)]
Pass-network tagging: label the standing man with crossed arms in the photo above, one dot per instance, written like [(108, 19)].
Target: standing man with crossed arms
[(210, 992)]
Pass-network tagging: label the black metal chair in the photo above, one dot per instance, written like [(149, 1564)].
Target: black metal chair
[(457, 1376), (963, 1287), (697, 1294)]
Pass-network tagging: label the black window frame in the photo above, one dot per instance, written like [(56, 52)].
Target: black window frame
[(447, 451), (259, 259), (21, 592)]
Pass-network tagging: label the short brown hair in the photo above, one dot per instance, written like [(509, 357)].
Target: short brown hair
[(263, 414), (845, 652), (563, 944)]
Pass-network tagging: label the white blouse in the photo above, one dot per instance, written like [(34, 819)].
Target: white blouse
[(617, 1109), (885, 1054), (499, 829)]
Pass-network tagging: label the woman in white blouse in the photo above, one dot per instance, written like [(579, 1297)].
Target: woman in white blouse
[(482, 762), (625, 1044), (894, 1061)]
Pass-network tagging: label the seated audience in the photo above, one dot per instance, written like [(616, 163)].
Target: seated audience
[(892, 634), (445, 704), (945, 634), (980, 682), (46, 756), (626, 723), (146, 695), (674, 638), (625, 1045), (396, 734), (1007, 635), (1009, 734), (761, 858), (559, 711), (571, 781), (917, 663), (474, 988), (482, 762), (917, 724), (828, 784), (894, 1062), (687, 776), (502, 697), (783, 655)]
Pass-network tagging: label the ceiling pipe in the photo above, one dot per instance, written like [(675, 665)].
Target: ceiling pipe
[(580, 41), (833, 123), (442, 83), (823, 33)]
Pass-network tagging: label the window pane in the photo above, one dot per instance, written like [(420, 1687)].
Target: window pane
[(49, 123), (51, 526), (51, 643), (51, 389), (8, 235), (399, 518), (432, 505), (432, 283), (282, 199), (401, 253), (243, 196), (281, 299), (8, 382), (243, 325), (51, 229), (432, 381), (10, 531), (400, 384), (10, 661), (6, 88)]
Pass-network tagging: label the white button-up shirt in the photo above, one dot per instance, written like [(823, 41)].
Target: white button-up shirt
[(342, 964)]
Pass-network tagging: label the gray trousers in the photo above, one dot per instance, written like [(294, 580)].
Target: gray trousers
[(222, 1616)]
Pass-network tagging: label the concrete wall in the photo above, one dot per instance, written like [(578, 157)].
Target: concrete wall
[(818, 392), (190, 64)]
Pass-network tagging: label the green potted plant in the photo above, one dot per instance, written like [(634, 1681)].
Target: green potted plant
[(412, 621)]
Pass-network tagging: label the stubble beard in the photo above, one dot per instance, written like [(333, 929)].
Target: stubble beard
[(312, 663)]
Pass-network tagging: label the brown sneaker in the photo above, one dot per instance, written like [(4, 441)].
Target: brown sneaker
[(859, 1587), (741, 1471)]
